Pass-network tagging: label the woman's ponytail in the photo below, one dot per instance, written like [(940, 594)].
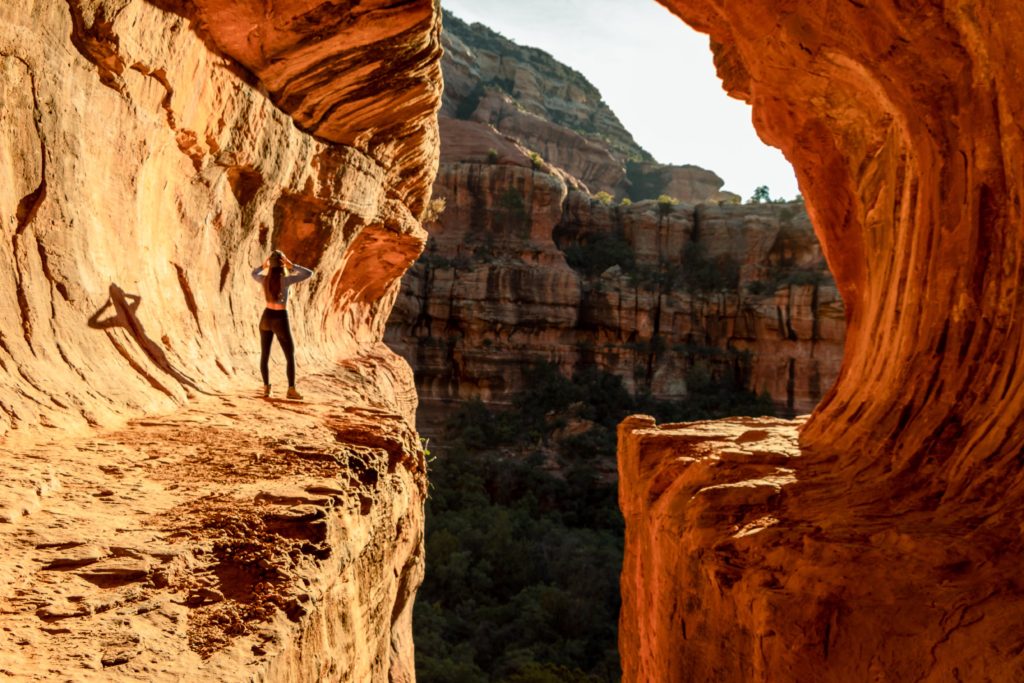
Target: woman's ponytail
[(272, 283)]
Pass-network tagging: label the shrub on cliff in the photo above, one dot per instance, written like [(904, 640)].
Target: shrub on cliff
[(760, 288), (703, 274), (761, 195), (665, 204), (663, 277), (645, 184), (434, 209), (599, 251), (604, 198)]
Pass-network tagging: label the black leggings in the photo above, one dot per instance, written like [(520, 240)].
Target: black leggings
[(274, 323)]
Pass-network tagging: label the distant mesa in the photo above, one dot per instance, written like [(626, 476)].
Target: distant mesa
[(553, 246), (554, 111)]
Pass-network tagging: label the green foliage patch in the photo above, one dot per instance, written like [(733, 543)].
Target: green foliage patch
[(599, 251), (523, 560)]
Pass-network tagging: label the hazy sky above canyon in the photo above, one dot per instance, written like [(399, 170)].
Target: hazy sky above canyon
[(656, 74)]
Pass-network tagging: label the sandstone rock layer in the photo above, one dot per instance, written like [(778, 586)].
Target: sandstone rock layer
[(233, 540), (532, 261), (737, 291), (743, 563), (151, 154), (146, 174), (556, 113), (889, 548)]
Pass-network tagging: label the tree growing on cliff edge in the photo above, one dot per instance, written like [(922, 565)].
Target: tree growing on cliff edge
[(665, 204), (762, 195)]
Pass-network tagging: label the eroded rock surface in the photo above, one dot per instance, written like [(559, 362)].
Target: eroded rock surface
[(146, 174), (556, 113), (734, 290), (893, 545), (526, 265), (233, 540), (151, 154)]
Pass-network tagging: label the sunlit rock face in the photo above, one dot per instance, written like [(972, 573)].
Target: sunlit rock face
[(737, 291), (152, 159), (885, 546), (555, 112), (151, 154), (529, 264)]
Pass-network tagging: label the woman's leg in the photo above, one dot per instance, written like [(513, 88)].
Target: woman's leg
[(284, 338), (266, 339)]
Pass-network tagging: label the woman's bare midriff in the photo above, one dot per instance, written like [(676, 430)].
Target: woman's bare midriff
[(275, 306)]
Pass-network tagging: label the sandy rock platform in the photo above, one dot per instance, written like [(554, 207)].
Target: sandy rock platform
[(236, 539)]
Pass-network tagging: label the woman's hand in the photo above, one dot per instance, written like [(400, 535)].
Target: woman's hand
[(287, 262), (266, 263)]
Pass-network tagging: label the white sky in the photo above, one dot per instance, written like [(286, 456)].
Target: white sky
[(656, 74)]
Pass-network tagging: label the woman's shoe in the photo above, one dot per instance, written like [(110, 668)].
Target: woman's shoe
[(294, 394), (266, 391)]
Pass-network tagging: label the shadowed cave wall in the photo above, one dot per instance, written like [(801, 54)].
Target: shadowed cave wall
[(884, 546)]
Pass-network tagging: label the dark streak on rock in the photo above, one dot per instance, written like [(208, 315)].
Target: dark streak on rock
[(190, 299)]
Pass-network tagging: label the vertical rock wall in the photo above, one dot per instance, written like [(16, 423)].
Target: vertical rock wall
[(493, 294), (534, 260), (151, 154), (886, 545), (154, 152)]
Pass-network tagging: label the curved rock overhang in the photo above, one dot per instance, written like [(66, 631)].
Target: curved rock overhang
[(155, 150), (880, 539), (901, 122), (151, 154)]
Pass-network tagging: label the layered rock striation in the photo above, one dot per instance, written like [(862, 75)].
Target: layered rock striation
[(656, 294), (883, 543), (232, 540), (528, 264), (556, 113), (152, 154), (147, 174)]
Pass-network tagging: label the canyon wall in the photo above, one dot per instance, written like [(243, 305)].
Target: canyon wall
[(147, 174), (882, 543), (528, 263), (152, 153), (556, 113), (732, 290)]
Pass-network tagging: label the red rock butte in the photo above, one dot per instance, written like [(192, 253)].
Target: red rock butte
[(885, 544)]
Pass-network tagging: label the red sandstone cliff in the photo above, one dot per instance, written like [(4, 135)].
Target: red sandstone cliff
[(712, 288), (555, 112), (883, 542), (650, 292), (152, 153)]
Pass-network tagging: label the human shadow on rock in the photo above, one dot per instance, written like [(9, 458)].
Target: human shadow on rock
[(123, 314)]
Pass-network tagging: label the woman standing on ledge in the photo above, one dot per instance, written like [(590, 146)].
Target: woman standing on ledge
[(275, 316)]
